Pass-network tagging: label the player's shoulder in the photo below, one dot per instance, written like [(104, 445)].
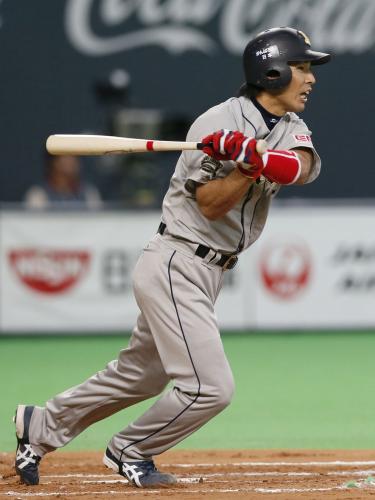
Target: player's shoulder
[(220, 116), (221, 110), (295, 119), (297, 132), (231, 114)]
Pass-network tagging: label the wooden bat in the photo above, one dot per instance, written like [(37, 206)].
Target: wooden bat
[(76, 144)]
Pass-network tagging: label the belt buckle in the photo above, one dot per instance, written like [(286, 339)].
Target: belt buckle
[(230, 263)]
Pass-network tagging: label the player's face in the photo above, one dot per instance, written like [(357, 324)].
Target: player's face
[(296, 94)]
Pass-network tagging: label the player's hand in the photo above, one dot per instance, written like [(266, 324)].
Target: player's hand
[(228, 145), (223, 144)]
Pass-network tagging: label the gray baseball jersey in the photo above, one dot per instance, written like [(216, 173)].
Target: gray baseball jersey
[(176, 285), (242, 225)]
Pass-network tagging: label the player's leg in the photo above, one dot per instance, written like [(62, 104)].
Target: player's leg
[(176, 294), (136, 375)]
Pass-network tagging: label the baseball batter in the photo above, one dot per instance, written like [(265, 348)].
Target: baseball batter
[(215, 208)]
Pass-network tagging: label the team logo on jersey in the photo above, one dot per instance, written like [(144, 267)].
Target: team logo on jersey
[(285, 268), (49, 271), (302, 138)]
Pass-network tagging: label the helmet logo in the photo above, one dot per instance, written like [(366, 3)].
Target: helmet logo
[(305, 37), (271, 51)]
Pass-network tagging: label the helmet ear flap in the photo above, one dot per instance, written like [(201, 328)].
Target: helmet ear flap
[(272, 74), (277, 77)]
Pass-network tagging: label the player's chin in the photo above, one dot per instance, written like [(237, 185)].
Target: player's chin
[(298, 106)]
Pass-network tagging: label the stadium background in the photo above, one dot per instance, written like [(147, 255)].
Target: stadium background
[(148, 68)]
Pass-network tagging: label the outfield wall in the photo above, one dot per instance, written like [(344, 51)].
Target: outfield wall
[(313, 267)]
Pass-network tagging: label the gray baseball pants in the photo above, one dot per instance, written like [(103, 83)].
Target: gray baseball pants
[(176, 339)]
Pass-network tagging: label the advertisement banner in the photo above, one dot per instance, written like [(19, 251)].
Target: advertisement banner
[(316, 268), (70, 271), (175, 59), (313, 267)]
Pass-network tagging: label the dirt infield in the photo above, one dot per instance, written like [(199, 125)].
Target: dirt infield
[(220, 474)]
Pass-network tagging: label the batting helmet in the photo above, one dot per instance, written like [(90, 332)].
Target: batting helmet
[(266, 58)]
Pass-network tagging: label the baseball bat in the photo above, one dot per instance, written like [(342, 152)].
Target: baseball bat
[(78, 144)]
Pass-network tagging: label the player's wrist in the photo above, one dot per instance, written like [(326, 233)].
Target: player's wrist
[(252, 172)]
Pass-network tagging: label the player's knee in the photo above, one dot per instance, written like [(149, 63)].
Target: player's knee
[(224, 393), (228, 394)]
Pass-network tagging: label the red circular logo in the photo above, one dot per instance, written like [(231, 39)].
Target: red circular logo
[(285, 268), (49, 271)]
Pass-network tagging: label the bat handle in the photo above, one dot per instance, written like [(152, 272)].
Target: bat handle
[(261, 146)]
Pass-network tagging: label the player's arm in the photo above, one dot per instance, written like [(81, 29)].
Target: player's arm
[(216, 197), (288, 166), (306, 158), (285, 167), (219, 196)]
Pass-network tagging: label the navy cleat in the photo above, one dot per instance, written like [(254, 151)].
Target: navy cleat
[(27, 461), (142, 474)]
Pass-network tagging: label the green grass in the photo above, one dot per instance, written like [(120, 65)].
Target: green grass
[(309, 390)]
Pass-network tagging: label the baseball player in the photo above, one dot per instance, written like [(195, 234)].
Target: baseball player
[(215, 208)]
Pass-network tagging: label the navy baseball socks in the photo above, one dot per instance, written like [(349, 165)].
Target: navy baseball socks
[(142, 474), (27, 461)]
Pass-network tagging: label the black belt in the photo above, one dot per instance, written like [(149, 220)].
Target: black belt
[(225, 261)]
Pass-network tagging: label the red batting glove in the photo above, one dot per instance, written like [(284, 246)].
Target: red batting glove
[(227, 145), (249, 161), (250, 171), (223, 144)]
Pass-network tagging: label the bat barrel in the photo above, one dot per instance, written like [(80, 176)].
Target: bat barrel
[(76, 144)]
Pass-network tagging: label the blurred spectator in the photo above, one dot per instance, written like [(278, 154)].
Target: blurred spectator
[(63, 185)]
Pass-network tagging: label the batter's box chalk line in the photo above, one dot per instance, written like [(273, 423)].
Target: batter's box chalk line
[(367, 482), (276, 464)]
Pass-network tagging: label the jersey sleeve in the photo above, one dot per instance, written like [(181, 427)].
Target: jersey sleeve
[(299, 136), (201, 168)]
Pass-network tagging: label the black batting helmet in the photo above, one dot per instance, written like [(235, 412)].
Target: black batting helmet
[(266, 58)]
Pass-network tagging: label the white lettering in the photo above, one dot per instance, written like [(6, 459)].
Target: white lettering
[(114, 12), (272, 51), (180, 25), (241, 21), (176, 39), (178, 11), (353, 29), (49, 269)]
